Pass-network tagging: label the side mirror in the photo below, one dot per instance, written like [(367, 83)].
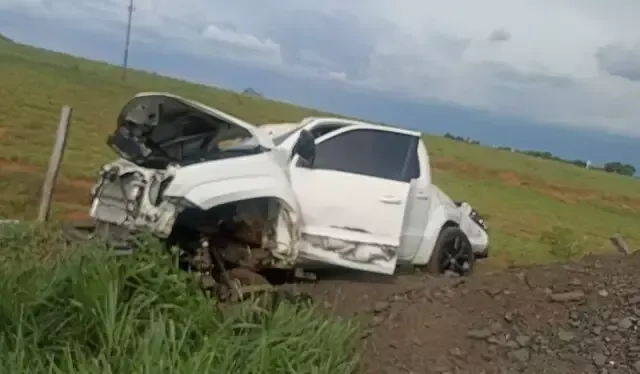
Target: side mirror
[(306, 148)]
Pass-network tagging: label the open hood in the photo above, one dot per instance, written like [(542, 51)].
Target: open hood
[(157, 129)]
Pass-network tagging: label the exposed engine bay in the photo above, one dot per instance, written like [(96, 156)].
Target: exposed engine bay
[(158, 138), (156, 132)]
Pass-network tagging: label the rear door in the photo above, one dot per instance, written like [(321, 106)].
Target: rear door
[(353, 199)]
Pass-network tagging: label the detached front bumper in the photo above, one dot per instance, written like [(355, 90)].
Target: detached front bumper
[(130, 197), (483, 253), (475, 227), (121, 240), (480, 242)]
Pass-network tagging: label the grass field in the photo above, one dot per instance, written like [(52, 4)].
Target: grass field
[(78, 310), (537, 209)]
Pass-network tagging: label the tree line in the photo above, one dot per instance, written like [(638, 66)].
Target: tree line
[(610, 167)]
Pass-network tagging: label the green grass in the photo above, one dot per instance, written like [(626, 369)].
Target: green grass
[(81, 310), (525, 198)]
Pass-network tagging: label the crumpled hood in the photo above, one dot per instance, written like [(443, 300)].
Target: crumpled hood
[(152, 122)]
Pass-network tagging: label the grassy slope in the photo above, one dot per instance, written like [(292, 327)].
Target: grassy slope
[(78, 310), (523, 197)]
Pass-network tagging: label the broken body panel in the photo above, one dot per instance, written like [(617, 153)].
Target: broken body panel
[(315, 215), (368, 223), (149, 193)]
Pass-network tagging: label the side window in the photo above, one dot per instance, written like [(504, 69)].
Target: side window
[(374, 153)]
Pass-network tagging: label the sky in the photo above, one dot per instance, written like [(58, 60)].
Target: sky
[(556, 75)]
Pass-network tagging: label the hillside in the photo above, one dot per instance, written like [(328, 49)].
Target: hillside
[(537, 209)]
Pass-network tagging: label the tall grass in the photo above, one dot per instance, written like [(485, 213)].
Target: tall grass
[(80, 310)]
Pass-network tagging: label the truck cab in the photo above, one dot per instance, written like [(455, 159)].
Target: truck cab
[(368, 201)]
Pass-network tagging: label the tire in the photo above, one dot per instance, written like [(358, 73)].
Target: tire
[(452, 252)]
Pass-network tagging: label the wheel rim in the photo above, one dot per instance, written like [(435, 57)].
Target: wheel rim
[(456, 256)]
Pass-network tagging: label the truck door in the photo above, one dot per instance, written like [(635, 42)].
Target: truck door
[(416, 215), (354, 197)]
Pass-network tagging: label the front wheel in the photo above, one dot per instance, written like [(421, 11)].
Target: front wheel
[(452, 253)]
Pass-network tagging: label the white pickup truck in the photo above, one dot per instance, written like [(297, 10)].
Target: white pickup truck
[(322, 192)]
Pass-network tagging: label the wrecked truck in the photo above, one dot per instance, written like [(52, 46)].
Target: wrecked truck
[(239, 198)]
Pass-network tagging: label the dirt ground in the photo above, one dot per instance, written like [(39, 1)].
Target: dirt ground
[(577, 317)]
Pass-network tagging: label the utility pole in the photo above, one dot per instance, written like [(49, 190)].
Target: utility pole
[(127, 42)]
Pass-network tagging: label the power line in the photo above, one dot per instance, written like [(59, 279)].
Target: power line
[(127, 41)]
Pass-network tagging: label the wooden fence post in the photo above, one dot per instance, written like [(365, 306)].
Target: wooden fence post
[(54, 164)]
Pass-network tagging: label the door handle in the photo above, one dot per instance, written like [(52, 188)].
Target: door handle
[(390, 200), (422, 196)]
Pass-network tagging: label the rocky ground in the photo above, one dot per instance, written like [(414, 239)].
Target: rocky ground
[(577, 317)]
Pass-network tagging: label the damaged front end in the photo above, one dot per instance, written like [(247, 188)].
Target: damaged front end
[(475, 227), (130, 198), (202, 181)]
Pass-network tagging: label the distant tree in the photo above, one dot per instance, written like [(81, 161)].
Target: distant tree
[(460, 138), (620, 168), (629, 170), (580, 163), (611, 167), (453, 137), (251, 92), (539, 154)]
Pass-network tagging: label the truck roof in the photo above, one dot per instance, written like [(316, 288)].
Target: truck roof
[(276, 129)]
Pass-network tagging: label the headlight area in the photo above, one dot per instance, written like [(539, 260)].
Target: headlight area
[(181, 202), (117, 198), (477, 218), (132, 189), (157, 187), (156, 194), (474, 215)]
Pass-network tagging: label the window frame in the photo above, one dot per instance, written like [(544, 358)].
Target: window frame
[(411, 163)]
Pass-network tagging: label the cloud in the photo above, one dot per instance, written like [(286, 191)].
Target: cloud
[(499, 35), (548, 60), (620, 60), (242, 44)]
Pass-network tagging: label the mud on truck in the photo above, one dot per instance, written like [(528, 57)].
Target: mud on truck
[(239, 199)]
